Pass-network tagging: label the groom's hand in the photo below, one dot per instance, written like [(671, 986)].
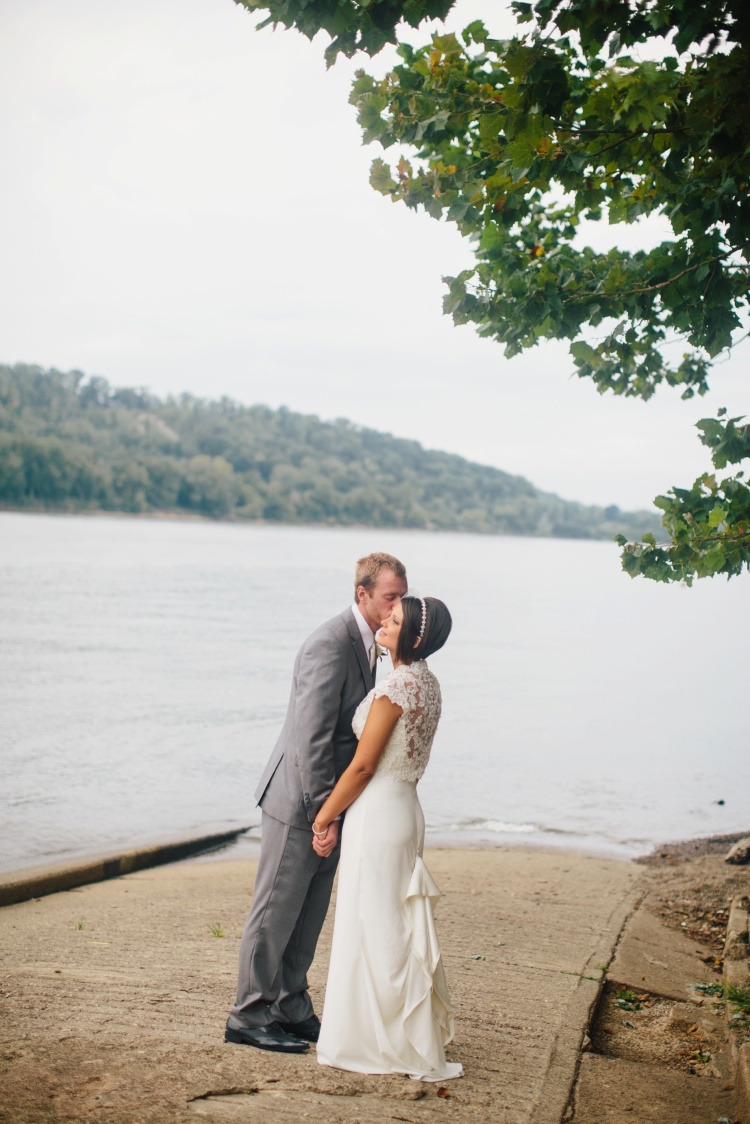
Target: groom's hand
[(323, 845)]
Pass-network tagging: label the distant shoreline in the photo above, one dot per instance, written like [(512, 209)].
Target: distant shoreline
[(196, 517), (72, 445), (99, 512)]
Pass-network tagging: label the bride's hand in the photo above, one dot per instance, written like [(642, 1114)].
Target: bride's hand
[(323, 845)]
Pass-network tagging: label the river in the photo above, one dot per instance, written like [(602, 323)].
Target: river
[(145, 669)]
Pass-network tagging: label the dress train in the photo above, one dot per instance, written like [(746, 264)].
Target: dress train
[(387, 1008)]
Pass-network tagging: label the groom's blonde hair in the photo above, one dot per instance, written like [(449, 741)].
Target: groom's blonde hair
[(368, 569)]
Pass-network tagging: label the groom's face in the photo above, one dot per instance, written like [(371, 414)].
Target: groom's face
[(375, 604)]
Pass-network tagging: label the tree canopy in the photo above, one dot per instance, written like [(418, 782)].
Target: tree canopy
[(603, 110), (76, 444)]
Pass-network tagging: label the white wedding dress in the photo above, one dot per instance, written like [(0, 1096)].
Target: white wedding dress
[(387, 1008)]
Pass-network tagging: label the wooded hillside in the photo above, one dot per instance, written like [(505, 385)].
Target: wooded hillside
[(71, 443)]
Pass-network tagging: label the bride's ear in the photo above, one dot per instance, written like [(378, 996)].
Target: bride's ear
[(417, 642)]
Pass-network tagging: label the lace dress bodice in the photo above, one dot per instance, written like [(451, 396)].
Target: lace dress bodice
[(415, 689)]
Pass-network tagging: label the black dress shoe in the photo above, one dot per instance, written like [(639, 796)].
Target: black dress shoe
[(309, 1028), (270, 1037)]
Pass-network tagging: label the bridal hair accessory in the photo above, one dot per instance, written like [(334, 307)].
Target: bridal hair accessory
[(424, 617)]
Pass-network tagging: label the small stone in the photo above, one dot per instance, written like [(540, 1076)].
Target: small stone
[(740, 852)]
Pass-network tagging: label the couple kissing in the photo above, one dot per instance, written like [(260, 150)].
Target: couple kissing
[(341, 784)]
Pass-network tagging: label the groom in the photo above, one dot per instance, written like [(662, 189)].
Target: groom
[(334, 670)]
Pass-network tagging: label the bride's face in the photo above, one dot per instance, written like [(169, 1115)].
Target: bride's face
[(390, 629)]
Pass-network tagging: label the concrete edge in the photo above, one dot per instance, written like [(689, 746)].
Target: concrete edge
[(553, 1105), (736, 970), (37, 882), (741, 1066)]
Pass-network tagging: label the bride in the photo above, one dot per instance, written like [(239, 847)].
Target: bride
[(386, 1007)]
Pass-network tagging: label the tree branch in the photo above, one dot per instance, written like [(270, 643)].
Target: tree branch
[(647, 288)]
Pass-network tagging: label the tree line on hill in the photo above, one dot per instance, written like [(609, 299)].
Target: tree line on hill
[(73, 443)]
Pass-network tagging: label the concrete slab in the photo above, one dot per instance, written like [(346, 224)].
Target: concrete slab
[(655, 958), (38, 881), (737, 973), (617, 1091), (117, 993), (741, 1061)]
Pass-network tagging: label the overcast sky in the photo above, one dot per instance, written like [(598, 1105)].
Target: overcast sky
[(185, 207)]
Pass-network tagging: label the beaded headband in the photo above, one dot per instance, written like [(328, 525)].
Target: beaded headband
[(424, 617)]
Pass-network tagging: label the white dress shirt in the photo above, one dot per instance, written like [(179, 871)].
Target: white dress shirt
[(368, 636)]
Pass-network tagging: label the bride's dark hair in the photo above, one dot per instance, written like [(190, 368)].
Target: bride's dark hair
[(438, 624)]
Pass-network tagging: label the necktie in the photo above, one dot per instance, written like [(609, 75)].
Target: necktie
[(373, 655)]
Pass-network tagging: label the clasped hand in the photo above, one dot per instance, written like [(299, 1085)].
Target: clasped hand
[(323, 845)]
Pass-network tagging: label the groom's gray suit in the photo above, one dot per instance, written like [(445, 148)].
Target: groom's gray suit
[(293, 885)]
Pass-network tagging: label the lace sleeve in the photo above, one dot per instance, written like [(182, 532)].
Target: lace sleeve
[(399, 687), (391, 688), (415, 689)]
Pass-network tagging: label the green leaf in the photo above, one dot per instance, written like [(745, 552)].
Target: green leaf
[(381, 178), (585, 353)]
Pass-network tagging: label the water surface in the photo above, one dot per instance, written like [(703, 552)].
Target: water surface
[(145, 668)]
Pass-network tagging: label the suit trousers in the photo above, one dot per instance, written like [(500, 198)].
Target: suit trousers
[(292, 892)]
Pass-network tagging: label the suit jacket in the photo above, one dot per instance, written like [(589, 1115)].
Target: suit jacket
[(331, 677)]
